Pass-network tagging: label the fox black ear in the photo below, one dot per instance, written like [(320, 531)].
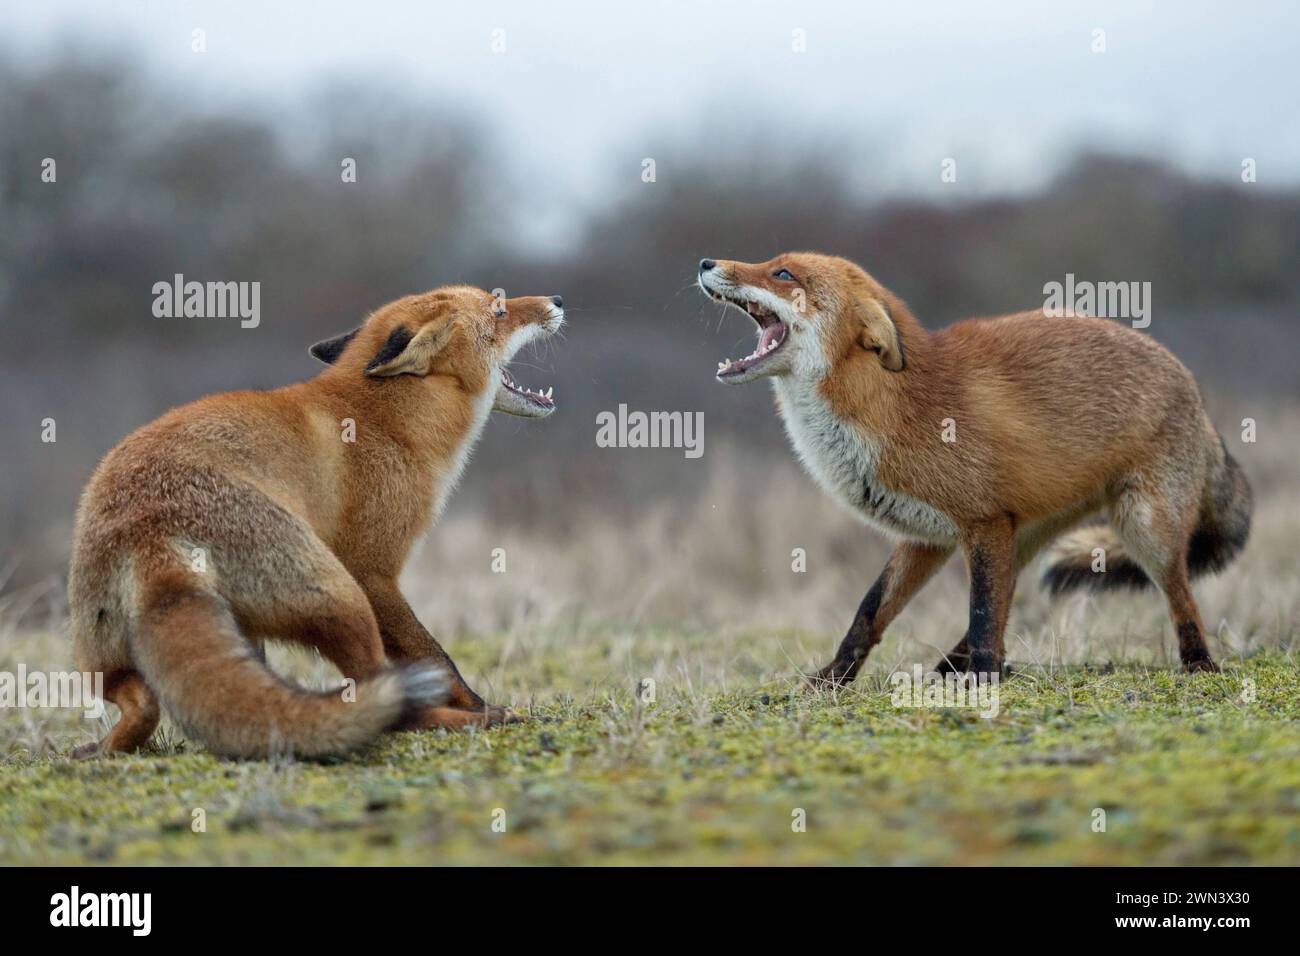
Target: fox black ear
[(409, 353), (389, 352), (329, 350), (879, 334)]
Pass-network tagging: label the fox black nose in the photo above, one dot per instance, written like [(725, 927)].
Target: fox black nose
[(706, 265), (558, 300)]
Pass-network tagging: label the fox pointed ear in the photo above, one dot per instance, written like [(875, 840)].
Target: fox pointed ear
[(879, 334), (408, 353), (329, 350)]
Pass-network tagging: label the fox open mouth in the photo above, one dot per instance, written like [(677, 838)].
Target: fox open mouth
[(772, 333), (540, 400)]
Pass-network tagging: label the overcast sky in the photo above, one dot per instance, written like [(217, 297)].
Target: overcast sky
[(584, 88)]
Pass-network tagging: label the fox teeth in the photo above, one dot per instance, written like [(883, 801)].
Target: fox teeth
[(550, 391)]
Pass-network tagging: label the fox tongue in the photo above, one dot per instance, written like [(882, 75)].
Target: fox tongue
[(770, 333)]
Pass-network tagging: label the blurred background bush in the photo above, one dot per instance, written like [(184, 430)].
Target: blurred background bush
[(157, 175)]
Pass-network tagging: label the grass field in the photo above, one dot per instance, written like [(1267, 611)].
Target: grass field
[(1202, 770), (730, 757)]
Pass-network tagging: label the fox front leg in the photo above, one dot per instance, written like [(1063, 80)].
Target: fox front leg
[(990, 556), (957, 660), (908, 568), (405, 638)]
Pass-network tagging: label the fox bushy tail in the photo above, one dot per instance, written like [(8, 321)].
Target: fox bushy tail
[(220, 691), (1221, 533)]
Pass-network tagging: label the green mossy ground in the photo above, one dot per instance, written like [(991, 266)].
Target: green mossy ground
[(1189, 770)]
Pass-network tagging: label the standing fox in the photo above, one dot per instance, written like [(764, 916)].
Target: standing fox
[(289, 514), (995, 436)]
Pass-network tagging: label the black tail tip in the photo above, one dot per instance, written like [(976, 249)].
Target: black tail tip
[(424, 685), (1065, 576)]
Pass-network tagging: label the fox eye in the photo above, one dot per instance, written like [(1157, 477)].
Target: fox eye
[(783, 274), (499, 313)]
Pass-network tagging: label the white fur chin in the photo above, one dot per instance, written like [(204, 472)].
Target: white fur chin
[(521, 337)]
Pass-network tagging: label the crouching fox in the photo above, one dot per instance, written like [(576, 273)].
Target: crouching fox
[(288, 514), (994, 436)]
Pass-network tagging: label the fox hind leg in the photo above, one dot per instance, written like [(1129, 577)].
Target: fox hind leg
[(317, 603), (1156, 535), (314, 602), (1192, 649), (342, 623), (140, 715)]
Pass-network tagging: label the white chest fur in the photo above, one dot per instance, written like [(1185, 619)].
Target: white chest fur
[(843, 461), (448, 479)]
